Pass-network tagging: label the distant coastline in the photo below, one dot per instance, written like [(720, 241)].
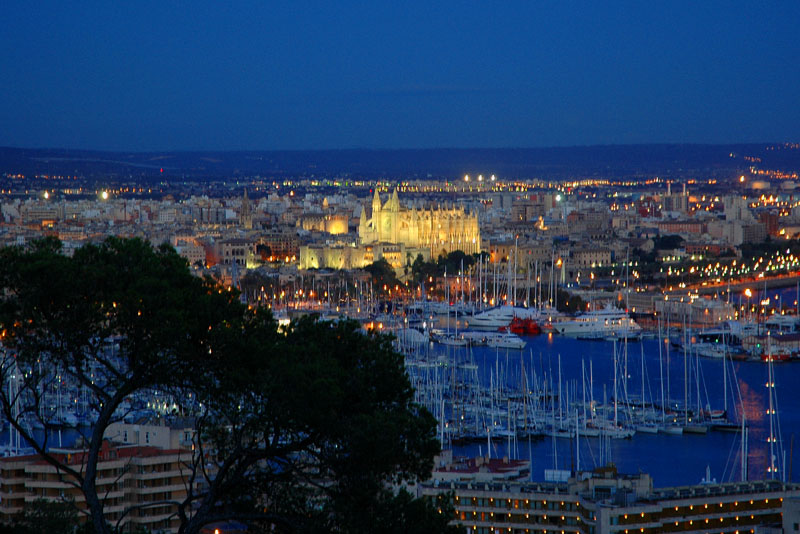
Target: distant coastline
[(664, 160)]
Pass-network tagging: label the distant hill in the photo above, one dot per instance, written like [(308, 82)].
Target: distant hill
[(666, 160)]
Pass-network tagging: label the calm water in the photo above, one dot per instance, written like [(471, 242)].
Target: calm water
[(671, 460)]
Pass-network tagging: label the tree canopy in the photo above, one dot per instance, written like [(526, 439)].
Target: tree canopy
[(667, 242), (383, 275), (453, 263), (308, 428)]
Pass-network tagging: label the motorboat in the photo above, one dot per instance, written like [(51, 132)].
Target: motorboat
[(522, 327), (500, 316), (503, 340), (608, 323)]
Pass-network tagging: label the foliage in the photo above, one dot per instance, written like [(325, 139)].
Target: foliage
[(422, 270), (383, 275), (60, 315), (453, 263), (264, 251), (46, 516), (569, 303), (767, 248), (667, 242), (319, 434), (252, 282), (301, 429)]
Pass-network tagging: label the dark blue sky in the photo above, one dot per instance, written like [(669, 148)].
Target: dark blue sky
[(263, 75)]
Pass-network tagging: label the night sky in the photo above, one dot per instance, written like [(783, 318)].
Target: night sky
[(171, 75)]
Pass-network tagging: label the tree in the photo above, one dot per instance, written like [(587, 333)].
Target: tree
[(422, 271), (455, 261), (254, 284), (60, 315), (667, 242), (569, 303), (303, 429), (452, 263), (264, 251), (47, 516), (324, 437), (382, 274)]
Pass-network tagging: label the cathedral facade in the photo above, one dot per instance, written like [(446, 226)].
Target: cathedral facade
[(436, 231), (398, 235)]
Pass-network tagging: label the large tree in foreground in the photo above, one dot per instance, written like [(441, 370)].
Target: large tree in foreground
[(311, 428)]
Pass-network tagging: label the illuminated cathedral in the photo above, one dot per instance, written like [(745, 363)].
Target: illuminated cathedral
[(398, 235), (435, 230)]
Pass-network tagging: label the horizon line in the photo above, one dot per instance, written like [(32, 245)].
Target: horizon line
[(387, 149)]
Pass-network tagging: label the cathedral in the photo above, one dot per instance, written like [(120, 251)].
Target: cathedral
[(433, 232), (398, 234)]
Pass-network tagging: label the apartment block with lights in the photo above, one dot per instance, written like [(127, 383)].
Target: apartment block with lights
[(135, 482), (605, 502)]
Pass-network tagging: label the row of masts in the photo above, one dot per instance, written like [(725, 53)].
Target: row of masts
[(518, 403)]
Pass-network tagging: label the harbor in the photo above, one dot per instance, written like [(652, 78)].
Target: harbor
[(637, 433), (644, 399)]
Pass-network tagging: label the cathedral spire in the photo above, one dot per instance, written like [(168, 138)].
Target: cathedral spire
[(245, 214), (376, 201)]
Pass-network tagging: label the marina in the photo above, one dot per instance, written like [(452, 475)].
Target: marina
[(553, 402), (576, 391)]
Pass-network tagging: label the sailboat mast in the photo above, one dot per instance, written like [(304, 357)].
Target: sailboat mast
[(661, 372), (615, 384), (744, 449)]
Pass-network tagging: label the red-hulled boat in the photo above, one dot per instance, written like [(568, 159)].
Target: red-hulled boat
[(522, 327), (778, 357)]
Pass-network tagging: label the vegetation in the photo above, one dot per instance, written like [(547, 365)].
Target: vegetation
[(769, 247), (46, 516), (667, 242), (569, 303), (453, 263), (305, 429), (383, 276)]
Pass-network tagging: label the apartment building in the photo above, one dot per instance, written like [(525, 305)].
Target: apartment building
[(128, 476), (605, 502)]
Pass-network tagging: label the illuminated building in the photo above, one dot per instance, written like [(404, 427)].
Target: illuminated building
[(437, 230), (333, 223), (398, 235), (603, 501)]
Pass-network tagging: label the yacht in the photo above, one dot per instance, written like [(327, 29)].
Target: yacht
[(500, 316), (503, 340), (608, 323)]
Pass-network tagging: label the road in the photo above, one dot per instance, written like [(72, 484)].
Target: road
[(738, 286)]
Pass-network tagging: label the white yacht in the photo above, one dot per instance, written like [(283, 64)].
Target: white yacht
[(503, 340), (494, 318), (608, 323)]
